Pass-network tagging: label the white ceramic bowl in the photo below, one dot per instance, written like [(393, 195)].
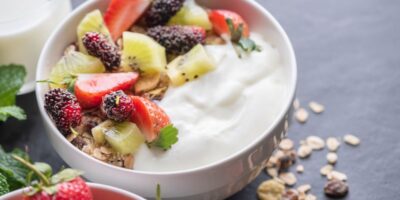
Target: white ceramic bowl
[(99, 191), (214, 181)]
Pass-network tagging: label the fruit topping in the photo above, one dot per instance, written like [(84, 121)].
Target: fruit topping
[(70, 65), (121, 14), (141, 53), (161, 11), (64, 109), (98, 131), (90, 88), (92, 22), (178, 39), (191, 14), (218, 19), (190, 66), (149, 117), (98, 45), (117, 106)]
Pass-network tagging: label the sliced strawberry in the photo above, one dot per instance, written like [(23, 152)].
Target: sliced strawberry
[(218, 20), (149, 117), (121, 14), (90, 88)]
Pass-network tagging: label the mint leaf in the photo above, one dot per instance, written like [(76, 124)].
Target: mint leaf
[(248, 45), (11, 80), (4, 187), (12, 111), (168, 136), (14, 171)]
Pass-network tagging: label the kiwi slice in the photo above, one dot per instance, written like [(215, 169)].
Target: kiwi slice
[(92, 22), (124, 137), (98, 131), (190, 66), (71, 64), (142, 53), (191, 14)]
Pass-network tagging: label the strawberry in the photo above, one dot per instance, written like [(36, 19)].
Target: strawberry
[(90, 88), (149, 117), (121, 14), (65, 185), (218, 20)]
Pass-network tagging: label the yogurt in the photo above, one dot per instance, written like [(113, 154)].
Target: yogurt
[(223, 111), (24, 28)]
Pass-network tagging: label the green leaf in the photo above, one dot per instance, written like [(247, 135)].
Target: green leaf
[(14, 171), (4, 187), (65, 175), (44, 168), (248, 45), (11, 80), (12, 111), (168, 136)]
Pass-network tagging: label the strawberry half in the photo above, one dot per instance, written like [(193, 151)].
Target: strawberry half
[(90, 88), (218, 20), (149, 117), (121, 14)]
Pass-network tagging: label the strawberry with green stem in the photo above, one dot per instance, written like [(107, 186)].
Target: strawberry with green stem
[(62, 186)]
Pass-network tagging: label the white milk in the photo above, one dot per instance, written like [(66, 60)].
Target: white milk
[(222, 112), (25, 26)]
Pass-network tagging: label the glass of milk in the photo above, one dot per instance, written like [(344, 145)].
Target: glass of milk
[(25, 26)]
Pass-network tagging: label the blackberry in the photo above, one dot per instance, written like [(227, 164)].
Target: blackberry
[(161, 11), (99, 46), (64, 109), (117, 106), (177, 39)]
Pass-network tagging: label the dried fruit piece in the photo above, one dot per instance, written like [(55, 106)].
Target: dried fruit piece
[(325, 170), (332, 144), (336, 188), (300, 169), (352, 140), (336, 175), (315, 142), (304, 151), (332, 158), (316, 107), (290, 194), (286, 144), (270, 190), (304, 188), (288, 177), (301, 115)]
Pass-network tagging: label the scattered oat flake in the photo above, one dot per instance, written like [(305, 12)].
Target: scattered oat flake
[(315, 142), (300, 169), (304, 151), (336, 175), (296, 104), (273, 172), (288, 177), (332, 144), (316, 107), (311, 197), (301, 115), (325, 170), (304, 188), (290, 194), (351, 140), (332, 158), (286, 144)]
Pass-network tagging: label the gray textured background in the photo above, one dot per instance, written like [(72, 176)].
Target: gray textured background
[(348, 58)]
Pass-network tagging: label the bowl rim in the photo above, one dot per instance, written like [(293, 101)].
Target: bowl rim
[(285, 109), (91, 186)]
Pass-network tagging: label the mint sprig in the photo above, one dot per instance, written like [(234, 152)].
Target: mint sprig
[(167, 137), (4, 187), (14, 172), (11, 80), (245, 44)]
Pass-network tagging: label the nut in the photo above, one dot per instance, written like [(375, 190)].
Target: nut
[(270, 190), (325, 170), (332, 158), (336, 175), (301, 115), (290, 194), (336, 188), (316, 107), (351, 140), (304, 188), (300, 169), (304, 151), (315, 142), (286, 144), (332, 144), (288, 177)]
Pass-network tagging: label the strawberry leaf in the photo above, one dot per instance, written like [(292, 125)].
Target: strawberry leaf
[(167, 137), (65, 176)]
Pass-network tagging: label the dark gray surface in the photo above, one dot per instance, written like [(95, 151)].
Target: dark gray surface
[(348, 58)]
